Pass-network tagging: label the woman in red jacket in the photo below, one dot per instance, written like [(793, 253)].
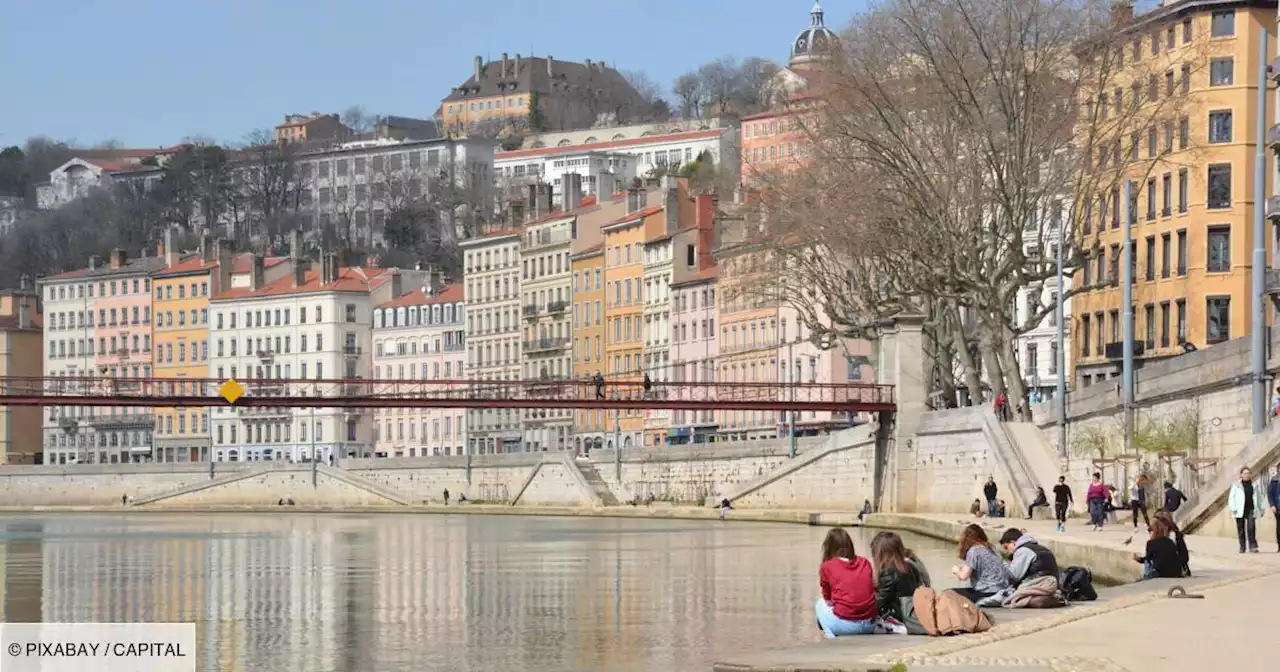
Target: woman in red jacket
[(848, 602)]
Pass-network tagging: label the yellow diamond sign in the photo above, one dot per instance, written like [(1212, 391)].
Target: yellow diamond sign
[(231, 391)]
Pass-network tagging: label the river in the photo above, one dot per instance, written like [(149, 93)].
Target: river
[(385, 593)]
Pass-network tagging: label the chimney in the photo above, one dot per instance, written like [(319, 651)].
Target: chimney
[(259, 273), (329, 270), (571, 192), (504, 65), (225, 261), (93, 262), (171, 256), (479, 69), (300, 265), (397, 284), (637, 199), (118, 257), (544, 199), (1121, 13), (206, 248), (516, 212), (435, 281), (550, 69), (705, 219), (606, 184), (515, 70), (531, 201), (24, 312), (671, 202), (588, 62)]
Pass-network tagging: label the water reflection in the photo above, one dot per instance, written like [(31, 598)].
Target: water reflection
[(405, 592)]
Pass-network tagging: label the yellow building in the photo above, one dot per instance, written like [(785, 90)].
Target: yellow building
[(21, 354), (501, 94), (180, 306), (624, 306), (587, 267), (748, 339), (1191, 166)]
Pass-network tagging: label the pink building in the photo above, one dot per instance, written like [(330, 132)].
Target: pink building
[(802, 361), (124, 316), (693, 351)]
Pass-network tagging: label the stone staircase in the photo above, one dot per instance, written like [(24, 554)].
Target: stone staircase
[(1260, 452), (238, 475), (1038, 454), (595, 482), (1016, 470)]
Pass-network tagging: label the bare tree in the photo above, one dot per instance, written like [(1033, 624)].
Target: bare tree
[(688, 90), (946, 153), (270, 185), (356, 119)]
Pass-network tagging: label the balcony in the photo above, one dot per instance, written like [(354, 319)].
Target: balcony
[(530, 311), (545, 345), (126, 421), (1273, 135), (557, 307), (350, 350), (1272, 208), (1273, 282)]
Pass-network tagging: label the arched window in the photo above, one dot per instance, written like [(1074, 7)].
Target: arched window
[(563, 143), (618, 136), (590, 139)]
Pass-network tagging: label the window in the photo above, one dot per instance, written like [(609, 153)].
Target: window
[(1219, 249), (1184, 133), (1181, 306), (1085, 334), (1151, 198), (1183, 188), (1185, 79), (1033, 357), (1166, 195), (1223, 23), (1165, 253), (1219, 183), (1164, 324), (1220, 126), (351, 312), (1218, 313), (1149, 319), (1186, 31), (1182, 252), (1151, 259), (1222, 71)]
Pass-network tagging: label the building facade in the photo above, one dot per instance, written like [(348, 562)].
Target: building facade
[(492, 295), (1192, 180), (313, 325), (749, 335), (694, 351), (588, 335), (546, 297), (420, 335), (21, 355)]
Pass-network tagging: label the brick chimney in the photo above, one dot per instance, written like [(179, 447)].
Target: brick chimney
[(226, 259), (207, 249), (94, 260), (24, 312), (515, 69), (169, 251), (705, 218), (259, 274), (1121, 13), (671, 202), (479, 69), (504, 65), (118, 258)]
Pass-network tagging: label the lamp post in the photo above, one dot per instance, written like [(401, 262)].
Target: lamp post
[(1061, 356), (791, 414), (1259, 354), (1126, 278)]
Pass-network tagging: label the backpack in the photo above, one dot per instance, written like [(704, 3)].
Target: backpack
[(948, 613), (1077, 585)]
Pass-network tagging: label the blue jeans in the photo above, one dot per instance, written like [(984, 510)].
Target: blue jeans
[(833, 626), (991, 508), (1097, 511), (1148, 570)]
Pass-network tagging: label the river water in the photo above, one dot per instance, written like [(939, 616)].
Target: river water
[(385, 593)]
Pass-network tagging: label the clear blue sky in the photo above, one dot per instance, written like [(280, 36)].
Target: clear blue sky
[(151, 72)]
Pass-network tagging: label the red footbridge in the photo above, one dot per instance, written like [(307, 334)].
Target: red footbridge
[(360, 393)]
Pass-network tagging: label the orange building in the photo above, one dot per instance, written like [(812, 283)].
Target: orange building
[(624, 305), (587, 267), (749, 336)]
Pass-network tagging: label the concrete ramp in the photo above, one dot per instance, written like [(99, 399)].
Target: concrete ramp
[(1011, 462), (1037, 453), (591, 481), (858, 437), (364, 484), (217, 481), (1260, 452)]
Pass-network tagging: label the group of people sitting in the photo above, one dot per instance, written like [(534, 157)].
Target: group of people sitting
[(875, 595)]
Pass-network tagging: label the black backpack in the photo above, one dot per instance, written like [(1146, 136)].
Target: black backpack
[(1077, 585)]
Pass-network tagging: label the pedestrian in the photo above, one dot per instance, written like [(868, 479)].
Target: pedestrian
[(1062, 500), (1162, 559), (599, 382), (1096, 498), (848, 602), (989, 490), (1041, 500), (124, 499), (1001, 406), (446, 496), (1173, 498), (1246, 504), (982, 567), (1273, 500), (1138, 500)]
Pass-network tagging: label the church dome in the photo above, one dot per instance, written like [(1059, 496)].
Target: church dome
[(813, 43)]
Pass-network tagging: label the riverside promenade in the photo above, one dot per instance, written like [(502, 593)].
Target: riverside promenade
[(1131, 628)]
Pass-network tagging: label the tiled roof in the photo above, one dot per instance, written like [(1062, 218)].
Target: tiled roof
[(533, 76), (10, 322), (588, 202), (448, 294), (145, 265), (610, 144), (705, 275), (635, 216), (240, 263), (500, 233), (351, 279), (589, 252)]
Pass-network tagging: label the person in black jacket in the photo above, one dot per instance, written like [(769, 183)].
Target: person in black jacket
[(1173, 498), (898, 574), (1062, 501), (1041, 500), (1162, 559), (989, 491)]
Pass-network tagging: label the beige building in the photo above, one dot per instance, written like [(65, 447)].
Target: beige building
[(20, 355), (420, 335), (492, 295)]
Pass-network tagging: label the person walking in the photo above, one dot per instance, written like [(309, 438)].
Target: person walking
[(1138, 500), (1001, 406), (1062, 501), (1096, 498), (989, 491), (1245, 502), (446, 496), (1273, 500), (1173, 498)]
